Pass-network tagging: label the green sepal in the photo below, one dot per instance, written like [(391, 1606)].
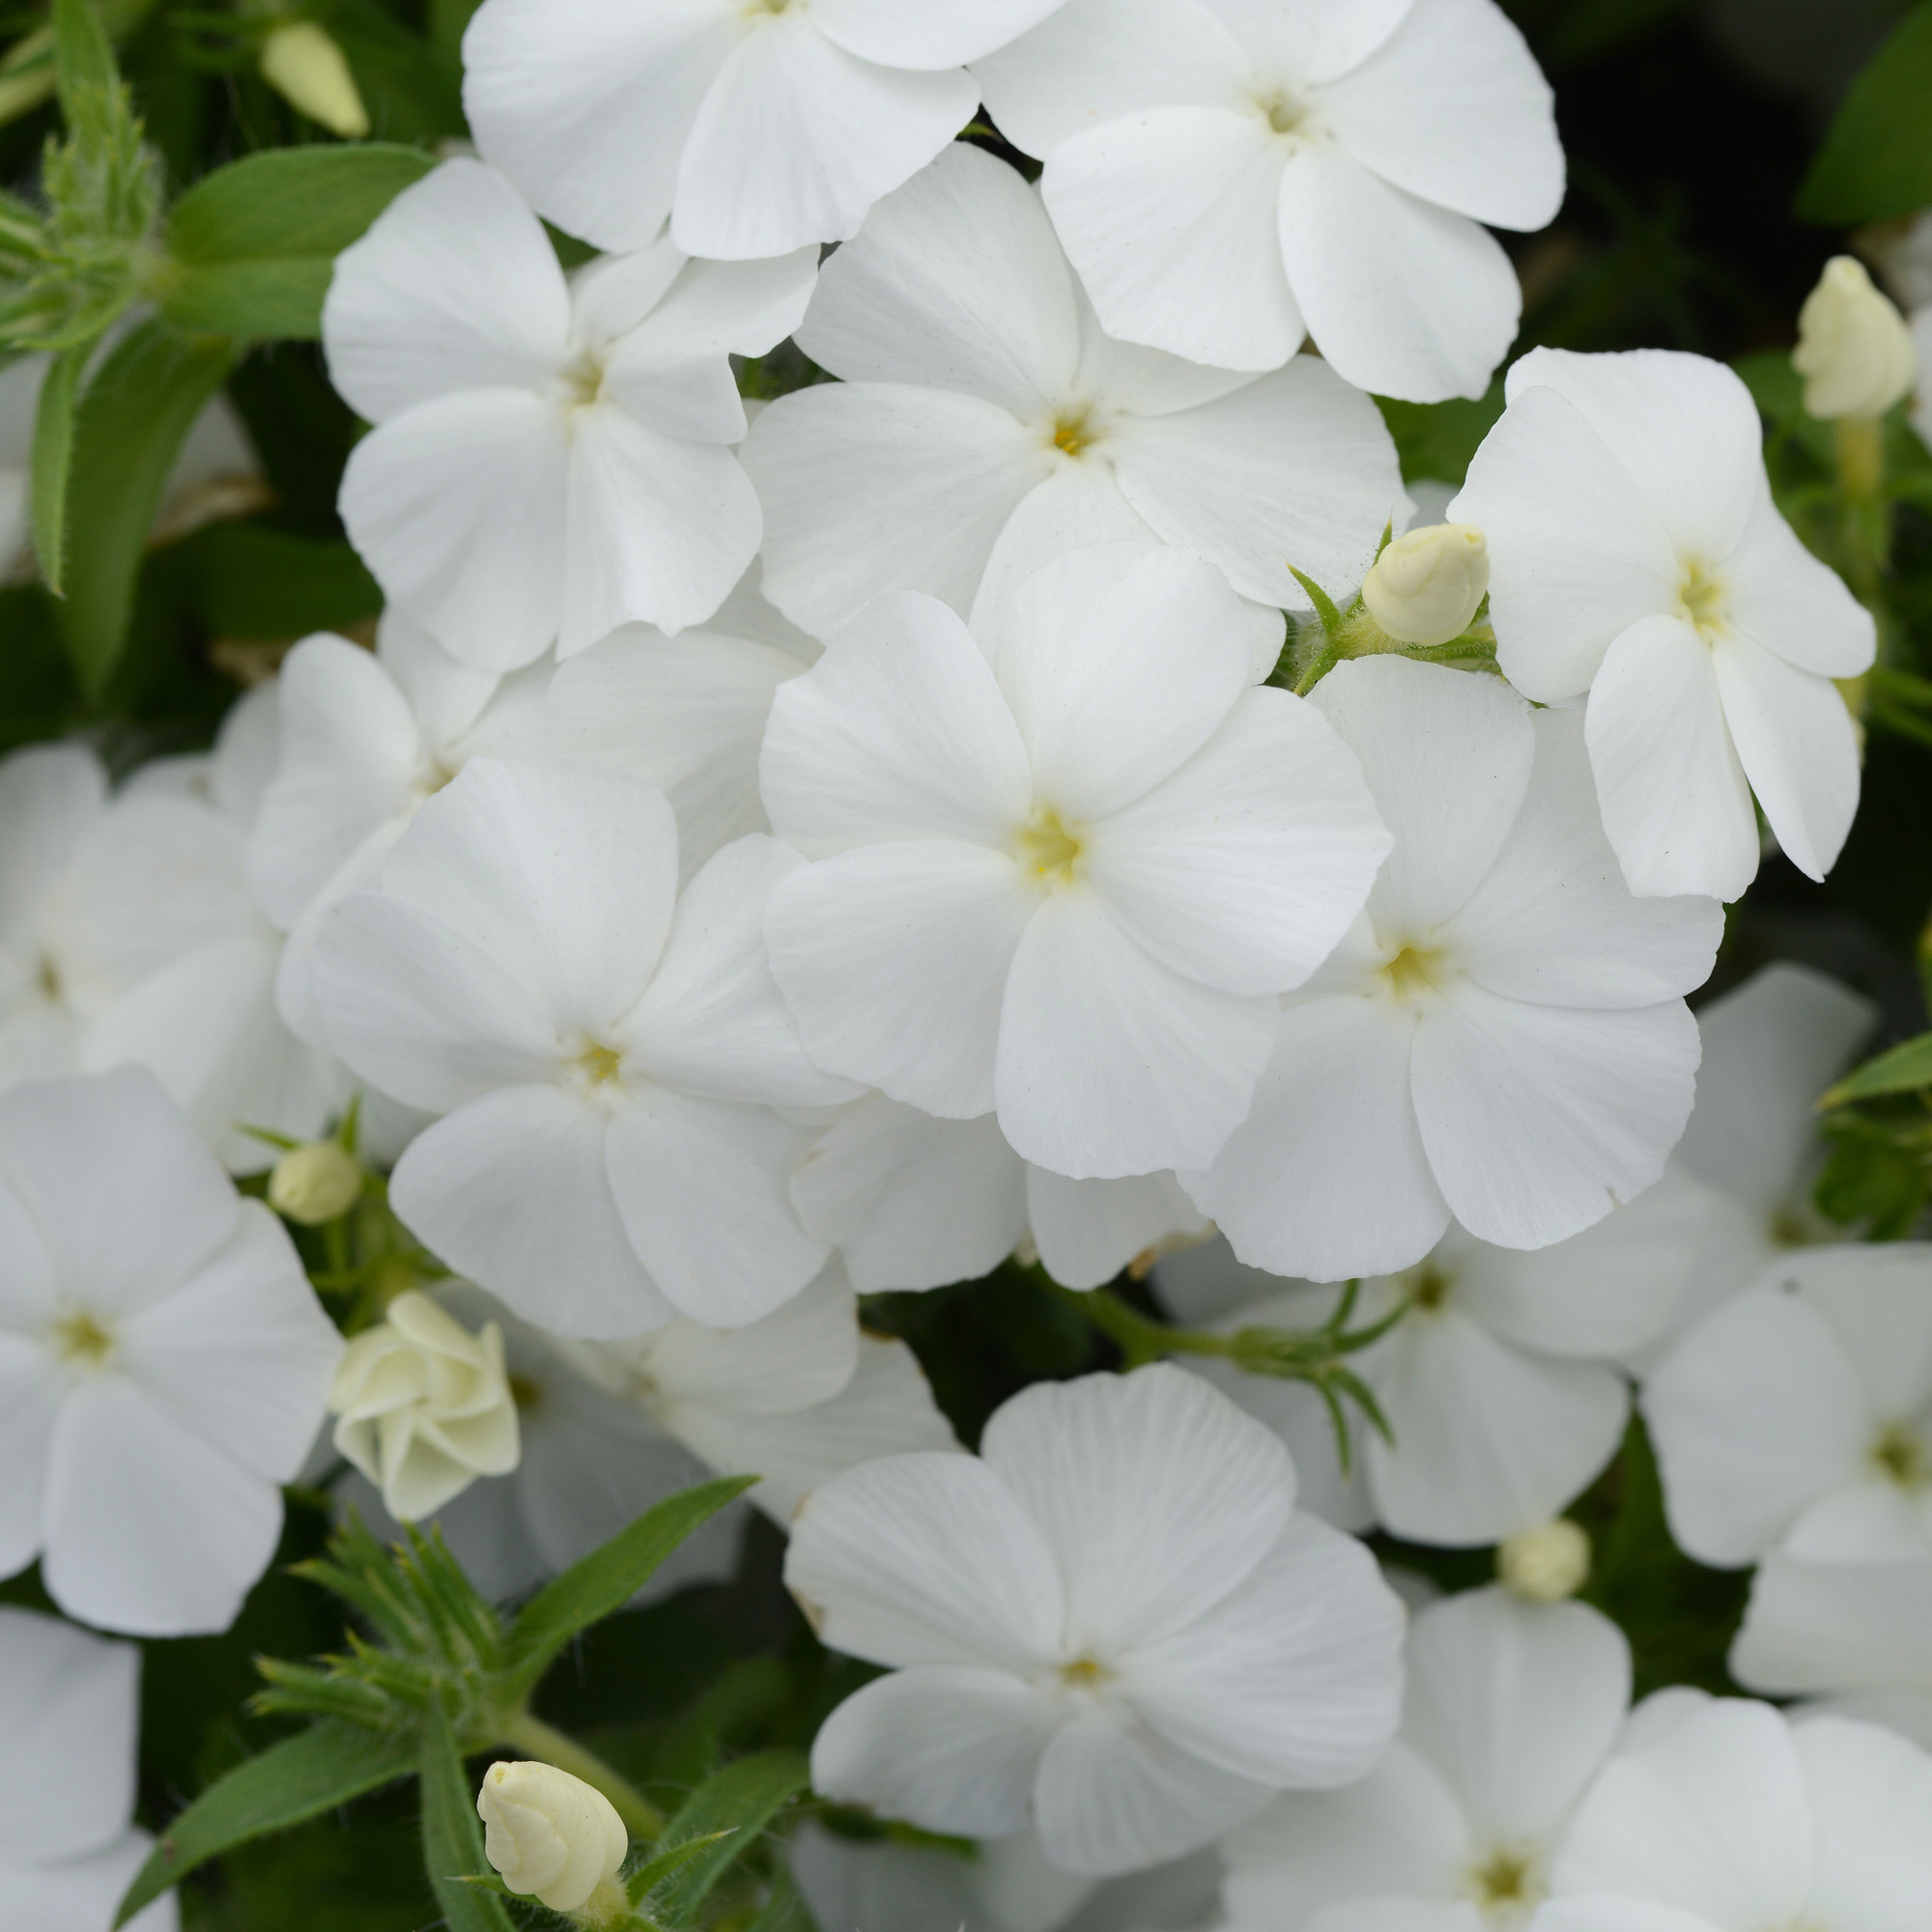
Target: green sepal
[(1325, 605)]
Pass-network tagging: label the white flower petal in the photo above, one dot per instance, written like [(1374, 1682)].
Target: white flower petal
[(1404, 297), (454, 287), (1540, 1119), (457, 507), (939, 32), (711, 310), (1169, 213), (511, 1190), (1296, 468), (1312, 41), (1453, 108), (86, 1893), (1488, 1440), (926, 1559), (149, 1530), (1326, 1177), (899, 733), (956, 282), (1871, 1793), (1110, 1063), (1087, 1231), (872, 487), (800, 1355), (1756, 1413), (947, 1748), (1246, 867), (50, 797), (1797, 746), (894, 961), (1157, 1494), (1839, 1626), (32, 1389), (911, 1201), (1793, 604), (797, 138)]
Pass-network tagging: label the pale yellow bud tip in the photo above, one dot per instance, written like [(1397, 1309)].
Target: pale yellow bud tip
[(310, 73), (552, 1836), (1546, 1564), (1427, 586), (315, 1183), (1854, 348)]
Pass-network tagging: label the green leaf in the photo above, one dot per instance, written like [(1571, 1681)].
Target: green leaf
[(1436, 441), (263, 584), (452, 1835), (298, 1778), (1325, 605), (738, 1801), (1899, 1070), (252, 245), (128, 429), (1876, 163), (53, 461), (608, 1578), (447, 21), (83, 58)]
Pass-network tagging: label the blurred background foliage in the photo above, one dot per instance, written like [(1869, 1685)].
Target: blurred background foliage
[(1690, 126)]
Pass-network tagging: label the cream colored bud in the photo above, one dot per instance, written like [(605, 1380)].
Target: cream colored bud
[(1854, 348), (1426, 587), (315, 1183), (423, 1406), (552, 1836), (310, 73), (1546, 1564)]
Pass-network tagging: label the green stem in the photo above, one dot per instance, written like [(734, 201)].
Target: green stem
[(530, 1733)]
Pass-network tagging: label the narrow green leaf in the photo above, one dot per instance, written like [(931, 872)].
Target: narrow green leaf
[(1901, 1070), (129, 427), (298, 1778), (83, 57), (53, 461), (738, 1801), (1876, 163), (1325, 605), (608, 1578), (649, 1876), (252, 245), (452, 1835)]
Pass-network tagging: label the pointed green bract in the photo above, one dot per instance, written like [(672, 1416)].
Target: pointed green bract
[(1901, 1070), (728, 1811), (53, 463)]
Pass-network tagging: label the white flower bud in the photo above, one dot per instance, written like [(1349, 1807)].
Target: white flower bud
[(1426, 587), (423, 1406), (314, 1184), (310, 73), (1546, 1564), (1854, 348), (552, 1836)]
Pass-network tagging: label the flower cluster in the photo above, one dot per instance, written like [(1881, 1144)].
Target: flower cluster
[(1030, 800)]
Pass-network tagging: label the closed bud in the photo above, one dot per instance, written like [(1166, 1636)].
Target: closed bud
[(423, 1406), (1427, 586), (315, 1183), (1546, 1564), (1854, 348), (551, 1836), (310, 73)]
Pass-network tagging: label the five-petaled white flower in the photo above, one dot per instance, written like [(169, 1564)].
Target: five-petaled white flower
[(1113, 1623), (1636, 557), (551, 456)]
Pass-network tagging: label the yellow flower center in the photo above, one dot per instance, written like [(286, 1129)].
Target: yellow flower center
[(1072, 430), (1899, 1455), (1506, 1887), (599, 1064), (1431, 1286), (1084, 1673), (48, 981), (1048, 850), (80, 1338), (1701, 598), (1414, 970), (581, 381), (1285, 114)]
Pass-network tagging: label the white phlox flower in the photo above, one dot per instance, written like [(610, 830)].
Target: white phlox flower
[(1066, 885), (365, 738), (987, 424), (1798, 1416), (754, 130), (610, 1428), (1230, 178), (549, 1834), (1730, 1818), (423, 1406), (1856, 1638), (912, 1201), (1501, 1035), (1511, 1710), (163, 1361), (1500, 1383), (604, 1052), (70, 1710), (1636, 557), (552, 456), (1111, 1624)]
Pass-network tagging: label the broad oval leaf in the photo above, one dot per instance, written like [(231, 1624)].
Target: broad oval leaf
[(1876, 163), (287, 1785)]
